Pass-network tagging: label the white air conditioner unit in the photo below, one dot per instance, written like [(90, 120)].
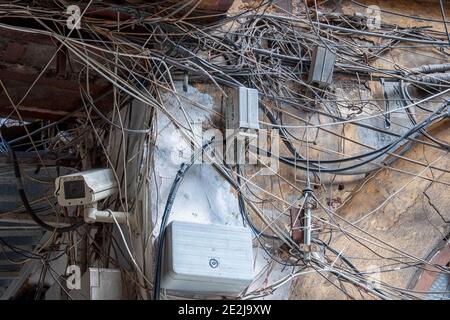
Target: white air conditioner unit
[(202, 258)]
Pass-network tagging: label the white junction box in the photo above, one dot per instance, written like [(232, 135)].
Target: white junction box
[(99, 284), (206, 258), (242, 109)]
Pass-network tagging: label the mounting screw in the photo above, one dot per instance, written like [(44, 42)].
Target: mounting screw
[(213, 263)]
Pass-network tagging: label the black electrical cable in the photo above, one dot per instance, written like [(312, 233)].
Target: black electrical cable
[(26, 203), (338, 118), (282, 132), (406, 99), (338, 254), (376, 153), (25, 253), (160, 242), (298, 158), (341, 170), (296, 155)]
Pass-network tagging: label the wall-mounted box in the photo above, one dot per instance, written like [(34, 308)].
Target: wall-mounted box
[(205, 258), (99, 284), (322, 66), (242, 108)]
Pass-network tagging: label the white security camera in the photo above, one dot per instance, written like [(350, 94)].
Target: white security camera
[(86, 189)]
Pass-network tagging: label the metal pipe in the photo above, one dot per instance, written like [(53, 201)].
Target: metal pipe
[(307, 223)]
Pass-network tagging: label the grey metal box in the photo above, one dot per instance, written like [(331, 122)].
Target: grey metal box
[(242, 109), (205, 258), (322, 66)]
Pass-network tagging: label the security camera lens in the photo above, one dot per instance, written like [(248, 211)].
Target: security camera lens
[(74, 189)]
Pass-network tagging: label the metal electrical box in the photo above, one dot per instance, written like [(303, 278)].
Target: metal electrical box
[(205, 258), (242, 109), (322, 66)]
